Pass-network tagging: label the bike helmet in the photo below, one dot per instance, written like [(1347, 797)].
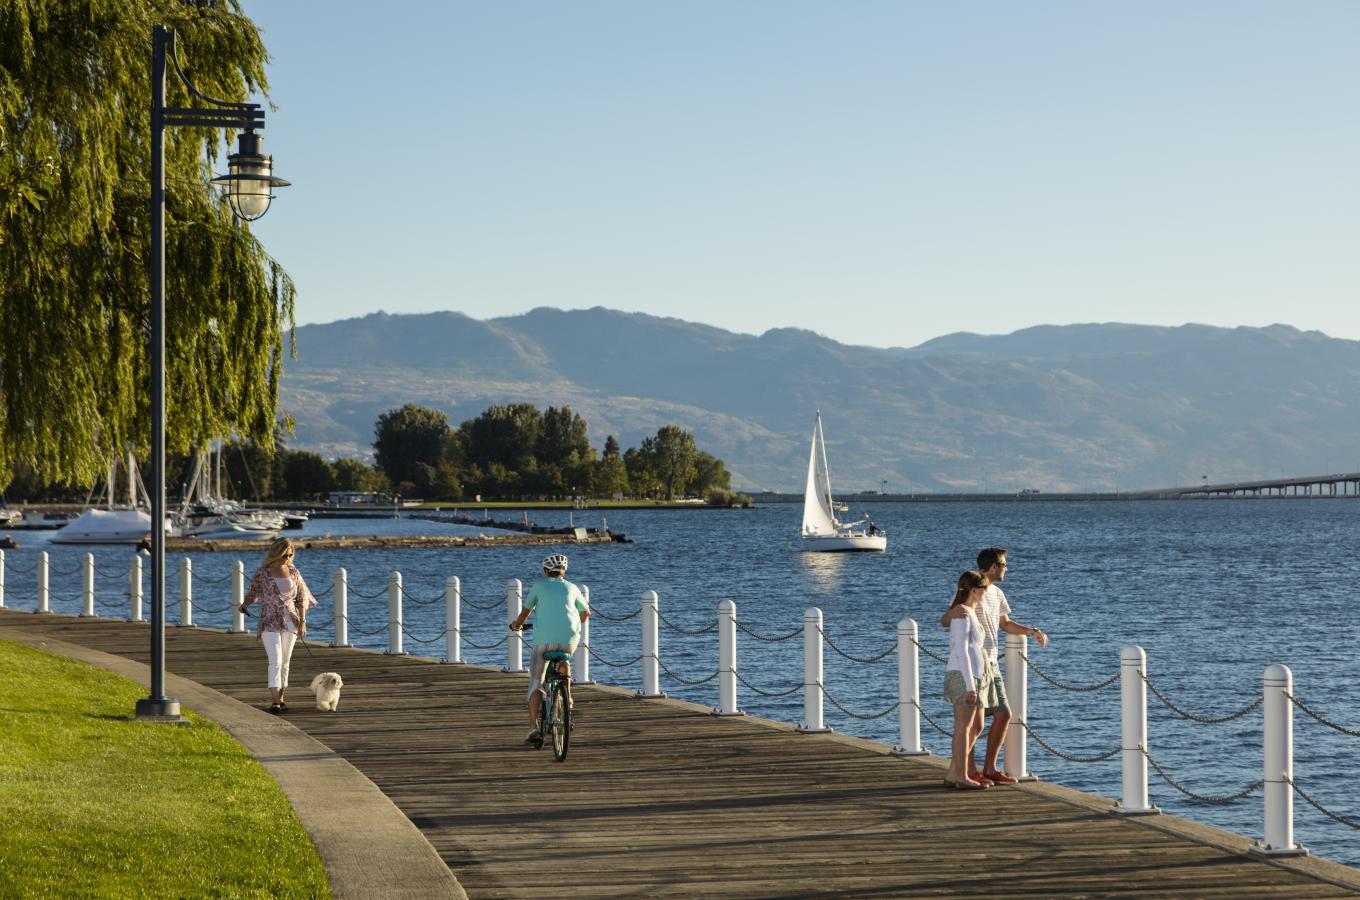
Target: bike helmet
[(555, 563)]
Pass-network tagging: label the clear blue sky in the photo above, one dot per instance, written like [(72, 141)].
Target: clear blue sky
[(879, 172)]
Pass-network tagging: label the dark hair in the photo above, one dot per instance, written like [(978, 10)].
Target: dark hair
[(967, 581), (990, 557)]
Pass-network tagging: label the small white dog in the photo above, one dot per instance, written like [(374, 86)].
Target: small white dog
[(327, 686)]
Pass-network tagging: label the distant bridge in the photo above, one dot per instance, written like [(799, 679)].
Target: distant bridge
[(1338, 485)]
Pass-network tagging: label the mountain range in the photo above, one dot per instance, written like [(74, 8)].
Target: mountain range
[(1050, 408)]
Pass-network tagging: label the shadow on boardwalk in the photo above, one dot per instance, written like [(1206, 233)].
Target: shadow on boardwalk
[(659, 798)]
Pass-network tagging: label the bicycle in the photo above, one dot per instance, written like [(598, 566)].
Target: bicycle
[(554, 709)]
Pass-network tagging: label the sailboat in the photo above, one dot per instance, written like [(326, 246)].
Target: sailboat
[(822, 531), (128, 525)]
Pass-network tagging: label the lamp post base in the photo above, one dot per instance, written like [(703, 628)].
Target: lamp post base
[(162, 709)]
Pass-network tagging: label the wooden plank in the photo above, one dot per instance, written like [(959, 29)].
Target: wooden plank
[(661, 799)]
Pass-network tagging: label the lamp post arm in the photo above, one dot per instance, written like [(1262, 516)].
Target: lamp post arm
[(174, 59)]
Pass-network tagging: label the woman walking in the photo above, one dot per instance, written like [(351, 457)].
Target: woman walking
[(284, 600), (968, 683)]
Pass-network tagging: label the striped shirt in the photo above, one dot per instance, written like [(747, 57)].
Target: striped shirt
[(989, 613)]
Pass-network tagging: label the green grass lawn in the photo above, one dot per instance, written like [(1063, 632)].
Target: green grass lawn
[(94, 804)]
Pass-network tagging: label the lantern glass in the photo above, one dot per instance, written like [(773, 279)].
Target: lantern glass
[(248, 190)]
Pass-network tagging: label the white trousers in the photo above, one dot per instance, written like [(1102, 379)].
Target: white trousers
[(279, 646)]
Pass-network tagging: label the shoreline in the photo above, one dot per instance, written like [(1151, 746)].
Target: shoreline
[(396, 542)]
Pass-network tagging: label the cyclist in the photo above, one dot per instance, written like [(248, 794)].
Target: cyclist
[(560, 608)]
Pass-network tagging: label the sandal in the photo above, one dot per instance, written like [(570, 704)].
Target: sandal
[(999, 777), (275, 708), (967, 785), (984, 780)]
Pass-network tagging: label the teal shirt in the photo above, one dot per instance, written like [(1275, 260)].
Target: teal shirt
[(557, 606)]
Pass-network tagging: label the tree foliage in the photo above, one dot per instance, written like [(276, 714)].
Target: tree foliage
[(75, 240), (408, 437)]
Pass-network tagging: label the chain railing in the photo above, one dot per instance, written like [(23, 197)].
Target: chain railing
[(928, 652), (667, 669), (596, 613), (711, 626), (854, 715), (764, 693), (613, 665), (1203, 720), (206, 580), (1335, 817), (1075, 688), (1312, 714), (771, 639), (1070, 757), (1202, 798), (421, 602), (867, 661), (933, 724)]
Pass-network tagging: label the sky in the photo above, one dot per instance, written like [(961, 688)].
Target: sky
[(879, 172)]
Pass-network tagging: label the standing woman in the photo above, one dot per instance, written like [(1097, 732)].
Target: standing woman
[(967, 681), (284, 600)]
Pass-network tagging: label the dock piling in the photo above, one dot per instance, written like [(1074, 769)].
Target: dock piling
[(813, 721), (651, 646), (453, 619), (135, 588), (87, 585), (238, 596), (186, 592), (1133, 727), (514, 644), (908, 691), (1279, 765), (580, 660), (341, 607), (394, 614), (727, 660), (44, 604), (1017, 692)]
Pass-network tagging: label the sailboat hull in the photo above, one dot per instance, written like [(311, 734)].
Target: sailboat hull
[(842, 543)]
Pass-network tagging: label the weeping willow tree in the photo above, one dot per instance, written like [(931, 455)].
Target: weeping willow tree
[(75, 239)]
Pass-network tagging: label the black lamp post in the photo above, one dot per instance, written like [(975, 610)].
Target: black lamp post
[(248, 191)]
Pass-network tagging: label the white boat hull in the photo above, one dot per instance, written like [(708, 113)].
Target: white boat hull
[(839, 543), (98, 526)]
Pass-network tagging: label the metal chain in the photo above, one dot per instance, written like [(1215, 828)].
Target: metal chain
[(711, 626), (116, 576), (855, 715), (206, 580), (1067, 756), (434, 640), (1075, 688), (595, 613), (108, 604), (1203, 720), (492, 605), (53, 570), (211, 609), (933, 723), (771, 640), (11, 567), (665, 668), (1335, 817), (1218, 801), (357, 630), (1308, 711), (419, 602), (613, 665), (324, 591), (869, 661), (471, 643), (794, 689), (362, 596), (928, 652)]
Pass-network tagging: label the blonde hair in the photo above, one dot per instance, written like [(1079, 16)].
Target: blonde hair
[(277, 551)]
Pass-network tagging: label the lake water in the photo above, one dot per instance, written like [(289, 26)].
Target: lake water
[(1214, 590)]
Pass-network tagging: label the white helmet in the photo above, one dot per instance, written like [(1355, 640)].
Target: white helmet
[(555, 563)]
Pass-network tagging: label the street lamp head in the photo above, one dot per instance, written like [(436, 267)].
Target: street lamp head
[(251, 181)]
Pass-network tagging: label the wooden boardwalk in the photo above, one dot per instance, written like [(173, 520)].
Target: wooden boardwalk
[(658, 798)]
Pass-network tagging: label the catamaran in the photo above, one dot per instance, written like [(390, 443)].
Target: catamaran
[(822, 531)]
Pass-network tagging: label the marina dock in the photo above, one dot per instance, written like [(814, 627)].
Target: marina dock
[(660, 798), (399, 542)]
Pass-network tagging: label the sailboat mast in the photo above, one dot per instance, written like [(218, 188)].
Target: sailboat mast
[(826, 472)]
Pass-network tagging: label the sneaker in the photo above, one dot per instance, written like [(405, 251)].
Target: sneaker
[(534, 738)]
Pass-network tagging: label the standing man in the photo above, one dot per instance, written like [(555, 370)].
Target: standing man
[(994, 614)]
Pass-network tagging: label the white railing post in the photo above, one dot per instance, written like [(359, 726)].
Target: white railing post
[(135, 588), (186, 592), (813, 721), (908, 692), (394, 614), (453, 619), (238, 596), (727, 660), (651, 646), (514, 643), (1017, 686), (44, 598), (1279, 765), (2, 579), (87, 586), (1133, 727), (341, 590), (580, 660)]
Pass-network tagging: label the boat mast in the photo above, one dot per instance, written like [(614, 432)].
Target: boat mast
[(826, 472)]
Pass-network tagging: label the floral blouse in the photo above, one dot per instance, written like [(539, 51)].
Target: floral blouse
[(265, 590)]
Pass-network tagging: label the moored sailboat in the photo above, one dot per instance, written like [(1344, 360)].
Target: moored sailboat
[(822, 531)]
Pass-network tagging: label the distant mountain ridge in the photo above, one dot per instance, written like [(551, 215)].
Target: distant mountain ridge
[(1073, 407)]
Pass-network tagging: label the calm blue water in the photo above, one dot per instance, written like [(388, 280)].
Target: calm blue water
[(1215, 591)]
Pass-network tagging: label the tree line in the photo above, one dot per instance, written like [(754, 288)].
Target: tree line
[(509, 452)]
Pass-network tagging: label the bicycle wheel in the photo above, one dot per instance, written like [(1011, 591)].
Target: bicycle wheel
[(561, 721)]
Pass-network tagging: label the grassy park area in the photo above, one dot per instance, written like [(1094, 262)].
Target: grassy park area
[(99, 805)]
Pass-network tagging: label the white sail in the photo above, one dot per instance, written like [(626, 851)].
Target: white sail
[(818, 518)]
